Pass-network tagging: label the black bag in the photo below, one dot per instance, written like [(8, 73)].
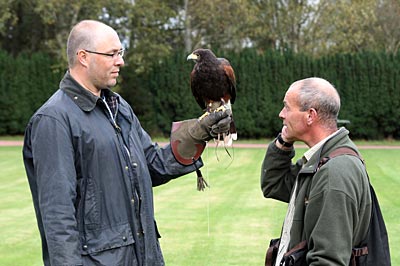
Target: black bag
[(375, 248), (373, 251)]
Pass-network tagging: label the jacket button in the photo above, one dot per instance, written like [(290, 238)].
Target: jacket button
[(85, 247), (126, 168), (124, 238), (134, 165)]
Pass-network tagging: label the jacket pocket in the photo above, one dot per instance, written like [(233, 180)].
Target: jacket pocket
[(121, 256), (107, 239), (91, 204)]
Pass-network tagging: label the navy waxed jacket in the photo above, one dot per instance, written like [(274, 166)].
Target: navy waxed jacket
[(91, 180)]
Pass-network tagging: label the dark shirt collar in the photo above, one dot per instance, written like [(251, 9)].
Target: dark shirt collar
[(82, 97)]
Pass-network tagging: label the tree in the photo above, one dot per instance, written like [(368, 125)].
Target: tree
[(153, 29), (355, 26), (326, 26), (152, 32), (218, 24), (348, 25), (44, 25), (388, 21), (282, 24), (20, 30)]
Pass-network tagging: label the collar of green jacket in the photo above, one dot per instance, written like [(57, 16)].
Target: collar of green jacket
[(341, 139)]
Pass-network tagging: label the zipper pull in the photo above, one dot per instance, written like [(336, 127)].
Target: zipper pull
[(117, 128)]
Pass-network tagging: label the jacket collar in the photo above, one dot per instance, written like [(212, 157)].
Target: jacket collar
[(314, 149), (334, 141), (82, 97)]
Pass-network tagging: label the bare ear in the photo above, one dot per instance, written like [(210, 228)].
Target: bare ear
[(82, 57), (312, 116)]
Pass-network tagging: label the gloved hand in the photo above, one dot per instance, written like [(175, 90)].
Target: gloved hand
[(212, 125), (188, 138)]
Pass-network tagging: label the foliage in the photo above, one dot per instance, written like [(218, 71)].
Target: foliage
[(228, 29), (283, 24), (354, 44), (367, 82), (33, 26), (153, 36), (25, 83), (154, 29)]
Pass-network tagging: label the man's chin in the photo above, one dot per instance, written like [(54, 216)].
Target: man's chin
[(112, 83)]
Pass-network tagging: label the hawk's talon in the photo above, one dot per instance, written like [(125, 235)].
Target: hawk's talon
[(220, 109), (204, 115)]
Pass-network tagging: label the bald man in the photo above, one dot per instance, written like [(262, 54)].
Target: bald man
[(91, 166), (329, 208)]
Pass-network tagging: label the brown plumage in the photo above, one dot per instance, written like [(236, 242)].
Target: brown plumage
[(213, 82)]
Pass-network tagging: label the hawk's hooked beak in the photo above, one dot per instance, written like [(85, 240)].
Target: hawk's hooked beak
[(192, 56)]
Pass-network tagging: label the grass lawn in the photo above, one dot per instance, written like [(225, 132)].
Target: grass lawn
[(229, 224)]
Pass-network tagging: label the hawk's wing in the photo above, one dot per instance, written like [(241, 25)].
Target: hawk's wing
[(231, 78)]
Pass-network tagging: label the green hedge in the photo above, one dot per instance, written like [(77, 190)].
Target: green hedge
[(369, 85), (25, 84)]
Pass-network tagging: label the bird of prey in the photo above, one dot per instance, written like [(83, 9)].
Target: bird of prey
[(213, 84)]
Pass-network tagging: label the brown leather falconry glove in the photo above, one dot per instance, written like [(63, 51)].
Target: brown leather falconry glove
[(188, 138)]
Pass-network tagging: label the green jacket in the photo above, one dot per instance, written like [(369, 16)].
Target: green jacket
[(332, 207)]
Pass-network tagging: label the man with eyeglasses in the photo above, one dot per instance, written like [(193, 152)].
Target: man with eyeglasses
[(91, 166)]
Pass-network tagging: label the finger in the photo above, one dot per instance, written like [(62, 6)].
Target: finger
[(214, 117), (221, 127)]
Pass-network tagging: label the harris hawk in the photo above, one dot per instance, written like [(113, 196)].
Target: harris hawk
[(213, 85)]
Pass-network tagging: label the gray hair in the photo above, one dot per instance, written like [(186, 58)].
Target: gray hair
[(321, 95), (82, 36)]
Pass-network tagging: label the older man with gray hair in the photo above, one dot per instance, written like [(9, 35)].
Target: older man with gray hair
[(329, 207)]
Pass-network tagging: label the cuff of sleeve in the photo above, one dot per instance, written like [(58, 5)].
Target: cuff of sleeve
[(273, 146), (282, 142)]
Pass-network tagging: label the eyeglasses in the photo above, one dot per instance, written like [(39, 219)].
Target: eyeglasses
[(113, 55)]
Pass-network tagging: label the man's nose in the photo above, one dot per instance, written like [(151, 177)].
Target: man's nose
[(120, 61), (281, 114)]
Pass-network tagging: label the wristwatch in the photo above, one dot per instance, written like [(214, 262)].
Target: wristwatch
[(282, 142)]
